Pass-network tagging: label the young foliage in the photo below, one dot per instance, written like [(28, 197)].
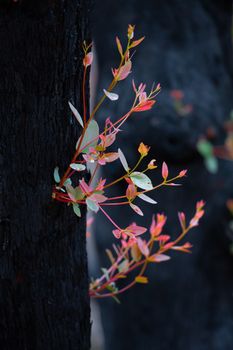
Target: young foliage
[(133, 251)]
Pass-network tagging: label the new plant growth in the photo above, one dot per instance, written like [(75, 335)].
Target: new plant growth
[(211, 153), (96, 148)]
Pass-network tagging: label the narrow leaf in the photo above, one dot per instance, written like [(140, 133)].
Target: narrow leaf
[(137, 42), (78, 167), (119, 46), (56, 175), (123, 160), (76, 209), (211, 164), (136, 253), (141, 279), (159, 258), (205, 148), (136, 209), (147, 199), (76, 114), (123, 266)]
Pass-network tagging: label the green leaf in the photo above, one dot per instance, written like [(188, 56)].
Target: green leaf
[(78, 167), (211, 164), (74, 193), (105, 272), (68, 182), (76, 209), (92, 205), (141, 180), (90, 138), (56, 175), (123, 266), (205, 148)]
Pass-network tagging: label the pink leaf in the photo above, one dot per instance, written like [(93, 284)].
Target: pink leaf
[(173, 184), (98, 198), (84, 187), (111, 157), (107, 140), (142, 245), (100, 185), (181, 217), (136, 209), (124, 71), (137, 42), (117, 233), (159, 258), (135, 229), (119, 46), (142, 97), (184, 248), (144, 106), (163, 238), (157, 226)]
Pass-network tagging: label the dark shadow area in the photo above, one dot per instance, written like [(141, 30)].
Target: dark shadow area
[(188, 303)]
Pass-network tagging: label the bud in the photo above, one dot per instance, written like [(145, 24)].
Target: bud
[(131, 31), (143, 149), (151, 165), (164, 171), (87, 61), (182, 173)]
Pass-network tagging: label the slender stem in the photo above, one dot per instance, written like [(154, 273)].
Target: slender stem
[(109, 218), (84, 96), (111, 86), (124, 176), (116, 203)]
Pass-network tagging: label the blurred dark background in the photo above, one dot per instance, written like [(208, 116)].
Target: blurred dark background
[(188, 303)]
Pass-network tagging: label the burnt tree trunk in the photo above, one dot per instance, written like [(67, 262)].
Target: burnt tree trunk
[(44, 300)]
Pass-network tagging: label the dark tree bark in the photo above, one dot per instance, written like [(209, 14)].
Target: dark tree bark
[(44, 301), (188, 46)]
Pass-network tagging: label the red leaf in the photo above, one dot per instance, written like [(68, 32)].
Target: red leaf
[(144, 106)]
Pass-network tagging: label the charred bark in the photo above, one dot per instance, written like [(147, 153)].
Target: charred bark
[(44, 300)]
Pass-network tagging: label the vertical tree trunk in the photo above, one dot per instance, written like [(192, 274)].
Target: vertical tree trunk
[(44, 300)]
